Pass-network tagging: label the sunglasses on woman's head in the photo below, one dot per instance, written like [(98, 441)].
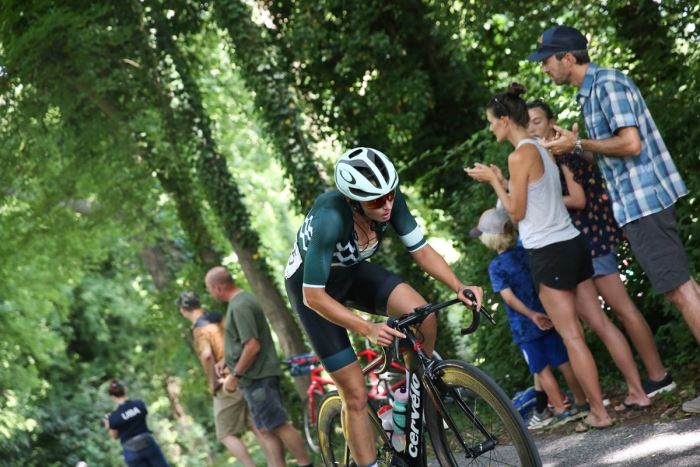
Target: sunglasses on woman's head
[(379, 202), (500, 104)]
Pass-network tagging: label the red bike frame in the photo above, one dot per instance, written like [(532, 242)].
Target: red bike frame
[(376, 390)]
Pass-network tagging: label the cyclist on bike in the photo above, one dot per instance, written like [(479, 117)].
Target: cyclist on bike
[(327, 271)]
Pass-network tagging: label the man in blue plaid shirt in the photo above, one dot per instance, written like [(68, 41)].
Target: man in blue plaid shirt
[(643, 181)]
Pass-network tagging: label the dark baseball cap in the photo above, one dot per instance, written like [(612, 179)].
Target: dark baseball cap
[(492, 221), (188, 300), (559, 39)]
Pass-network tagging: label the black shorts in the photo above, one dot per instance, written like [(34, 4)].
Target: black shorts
[(659, 250), (561, 265), (367, 290)]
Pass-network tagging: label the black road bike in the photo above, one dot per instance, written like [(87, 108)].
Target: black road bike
[(469, 418)]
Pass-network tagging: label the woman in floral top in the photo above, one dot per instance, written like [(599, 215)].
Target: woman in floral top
[(589, 205)]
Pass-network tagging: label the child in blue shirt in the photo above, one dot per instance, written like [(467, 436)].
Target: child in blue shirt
[(530, 326)]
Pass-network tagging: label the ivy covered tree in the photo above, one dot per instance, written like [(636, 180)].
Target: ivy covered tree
[(143, 142), (265, 71)]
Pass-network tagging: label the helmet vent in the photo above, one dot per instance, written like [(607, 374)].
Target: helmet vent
[(361, 193), (355, 153), (379, 163)]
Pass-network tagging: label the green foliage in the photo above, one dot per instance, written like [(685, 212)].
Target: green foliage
[(266, 74), (370, 73), (136, 141), (379, 74)]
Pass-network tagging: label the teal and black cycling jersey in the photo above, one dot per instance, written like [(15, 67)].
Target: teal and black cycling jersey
[(326, 249)]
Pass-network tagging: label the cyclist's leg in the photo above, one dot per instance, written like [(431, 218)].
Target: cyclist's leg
[(332, 345), (376, 290), (356, 423), (403, 300)]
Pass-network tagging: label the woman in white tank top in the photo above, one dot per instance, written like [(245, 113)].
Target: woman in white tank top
[(559, 258)]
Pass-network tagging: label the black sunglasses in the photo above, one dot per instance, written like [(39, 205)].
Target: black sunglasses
[(505, 109)]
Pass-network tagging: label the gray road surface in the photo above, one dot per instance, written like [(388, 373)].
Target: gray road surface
[(663, 444)]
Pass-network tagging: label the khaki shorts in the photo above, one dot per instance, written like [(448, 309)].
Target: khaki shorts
[(231, 414)]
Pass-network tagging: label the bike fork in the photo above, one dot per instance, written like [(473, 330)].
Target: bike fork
[(476, 451)]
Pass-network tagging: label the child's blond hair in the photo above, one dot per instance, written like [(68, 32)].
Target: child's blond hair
[(500, 242)]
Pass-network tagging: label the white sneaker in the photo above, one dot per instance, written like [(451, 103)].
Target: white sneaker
[(539, 420), (692, 406)]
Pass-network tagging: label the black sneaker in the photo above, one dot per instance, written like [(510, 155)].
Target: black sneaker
[(653, 388)]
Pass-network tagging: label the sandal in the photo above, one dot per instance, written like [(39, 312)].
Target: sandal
[(583, 427), (632, 407)]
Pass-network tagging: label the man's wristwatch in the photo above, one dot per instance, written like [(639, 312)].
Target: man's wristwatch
[(578, 150), (236, 374)]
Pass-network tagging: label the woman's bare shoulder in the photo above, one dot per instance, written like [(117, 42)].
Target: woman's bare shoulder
[(524, 155)]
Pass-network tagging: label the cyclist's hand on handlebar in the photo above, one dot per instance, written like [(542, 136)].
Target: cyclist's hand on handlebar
[(478, 293), (383, 335)]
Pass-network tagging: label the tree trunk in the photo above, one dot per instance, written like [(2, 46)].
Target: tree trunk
[(153, 259), (181, 190), (191, 125)]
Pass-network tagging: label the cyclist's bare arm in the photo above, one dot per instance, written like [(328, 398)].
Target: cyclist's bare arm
[(435, 265), (318, 300)]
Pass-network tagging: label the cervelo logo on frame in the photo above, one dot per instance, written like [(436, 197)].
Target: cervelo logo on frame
[(416, 411)]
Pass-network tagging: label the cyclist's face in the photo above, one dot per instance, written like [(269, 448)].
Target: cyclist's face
[(381, 214)]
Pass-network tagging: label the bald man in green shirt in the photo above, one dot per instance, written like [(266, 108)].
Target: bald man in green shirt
[(250, 355)]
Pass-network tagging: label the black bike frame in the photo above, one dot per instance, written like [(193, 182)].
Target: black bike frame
[(414, 454), (422, 376), (422, 371)]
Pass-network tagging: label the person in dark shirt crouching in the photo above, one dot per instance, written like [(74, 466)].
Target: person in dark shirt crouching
[(128, 423)]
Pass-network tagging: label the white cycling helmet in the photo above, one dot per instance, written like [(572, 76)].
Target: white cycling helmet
[(364, 174)]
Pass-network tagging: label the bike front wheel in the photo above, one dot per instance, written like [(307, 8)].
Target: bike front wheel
[(475, 403), (334, 449)]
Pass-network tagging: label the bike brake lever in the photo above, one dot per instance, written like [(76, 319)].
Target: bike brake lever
[(488, 315), (388, 355), (472, 298)]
